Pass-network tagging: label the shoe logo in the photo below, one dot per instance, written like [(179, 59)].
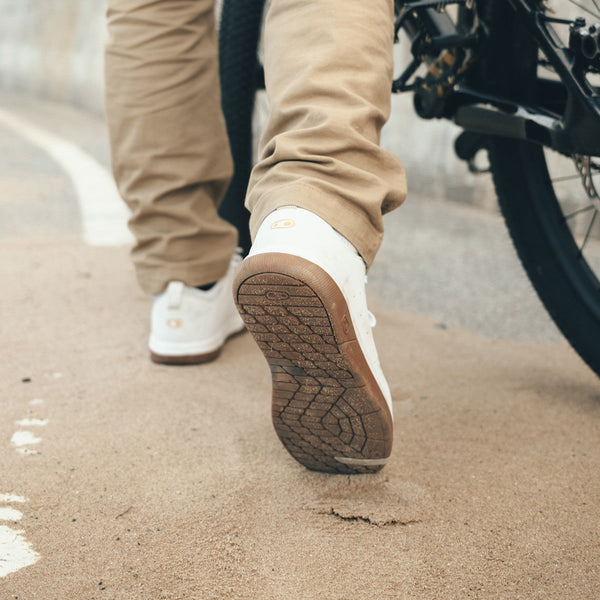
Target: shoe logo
[(283, 224), (277, 296), (174, 323)]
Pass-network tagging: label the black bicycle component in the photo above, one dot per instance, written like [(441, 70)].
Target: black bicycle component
[(553, 260), (493, 115), (507, 109), (436, 42), (550, 251), (467, 145), (574, 130), (240, 75), (567, 121), (584, 44)]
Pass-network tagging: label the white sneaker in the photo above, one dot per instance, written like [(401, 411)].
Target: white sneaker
[(189, 325), (301, 293)]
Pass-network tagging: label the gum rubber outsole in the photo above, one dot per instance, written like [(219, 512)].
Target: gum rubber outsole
[(327, 407), (191, 359)]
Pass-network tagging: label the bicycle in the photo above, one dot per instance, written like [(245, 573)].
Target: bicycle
[(521, 79)]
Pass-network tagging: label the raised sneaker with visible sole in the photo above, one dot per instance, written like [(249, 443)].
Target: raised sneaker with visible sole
[(190, 326), (301, 293)]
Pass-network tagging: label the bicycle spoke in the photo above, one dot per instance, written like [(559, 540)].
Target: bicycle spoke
[(587, 235), (566, 178), (578, 211)]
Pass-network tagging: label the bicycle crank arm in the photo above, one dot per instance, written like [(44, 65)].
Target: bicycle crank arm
[(489, 115), (521, 125)]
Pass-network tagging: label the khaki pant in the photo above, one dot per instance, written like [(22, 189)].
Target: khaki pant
[(328, 67)]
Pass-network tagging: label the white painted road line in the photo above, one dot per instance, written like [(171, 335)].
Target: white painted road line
[(32, 422), (15, 551), (24, 438), (8, 513), (103, 213), (7, 498)]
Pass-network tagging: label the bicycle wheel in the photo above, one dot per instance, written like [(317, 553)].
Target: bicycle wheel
[(551, 214), (239, 33)]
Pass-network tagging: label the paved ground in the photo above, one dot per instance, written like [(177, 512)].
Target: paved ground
[(123, 479)]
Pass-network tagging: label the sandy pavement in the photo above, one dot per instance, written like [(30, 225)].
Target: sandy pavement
[(153, 482)]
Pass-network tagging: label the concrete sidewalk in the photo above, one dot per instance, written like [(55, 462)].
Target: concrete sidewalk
[(128, 480)]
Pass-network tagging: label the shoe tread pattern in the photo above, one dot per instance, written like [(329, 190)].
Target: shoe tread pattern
[(322, 404)]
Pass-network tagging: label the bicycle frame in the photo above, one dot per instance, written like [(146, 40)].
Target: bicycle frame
[(565, 115)]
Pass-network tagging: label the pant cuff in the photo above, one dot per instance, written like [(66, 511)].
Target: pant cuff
[(347, 220), (154, 280)]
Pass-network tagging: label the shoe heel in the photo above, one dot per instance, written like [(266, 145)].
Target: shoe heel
[(327, 408)]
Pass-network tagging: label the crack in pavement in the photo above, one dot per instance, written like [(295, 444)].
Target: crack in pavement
[(374, 522)]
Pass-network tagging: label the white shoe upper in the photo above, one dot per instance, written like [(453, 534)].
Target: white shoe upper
[(296, 231), (187, 321)]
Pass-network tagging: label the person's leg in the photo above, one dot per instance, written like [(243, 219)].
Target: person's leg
[(328, 69), (172, 164), (169, 144), (317, 198)]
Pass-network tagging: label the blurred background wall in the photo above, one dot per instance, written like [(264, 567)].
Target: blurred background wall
[(54, 49)]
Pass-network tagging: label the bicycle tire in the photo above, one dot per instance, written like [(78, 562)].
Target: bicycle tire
[(239, 34), (564, 282), (545, 246)]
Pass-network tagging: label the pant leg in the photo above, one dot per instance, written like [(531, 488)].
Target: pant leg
[(169, 144), (328, 69)]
